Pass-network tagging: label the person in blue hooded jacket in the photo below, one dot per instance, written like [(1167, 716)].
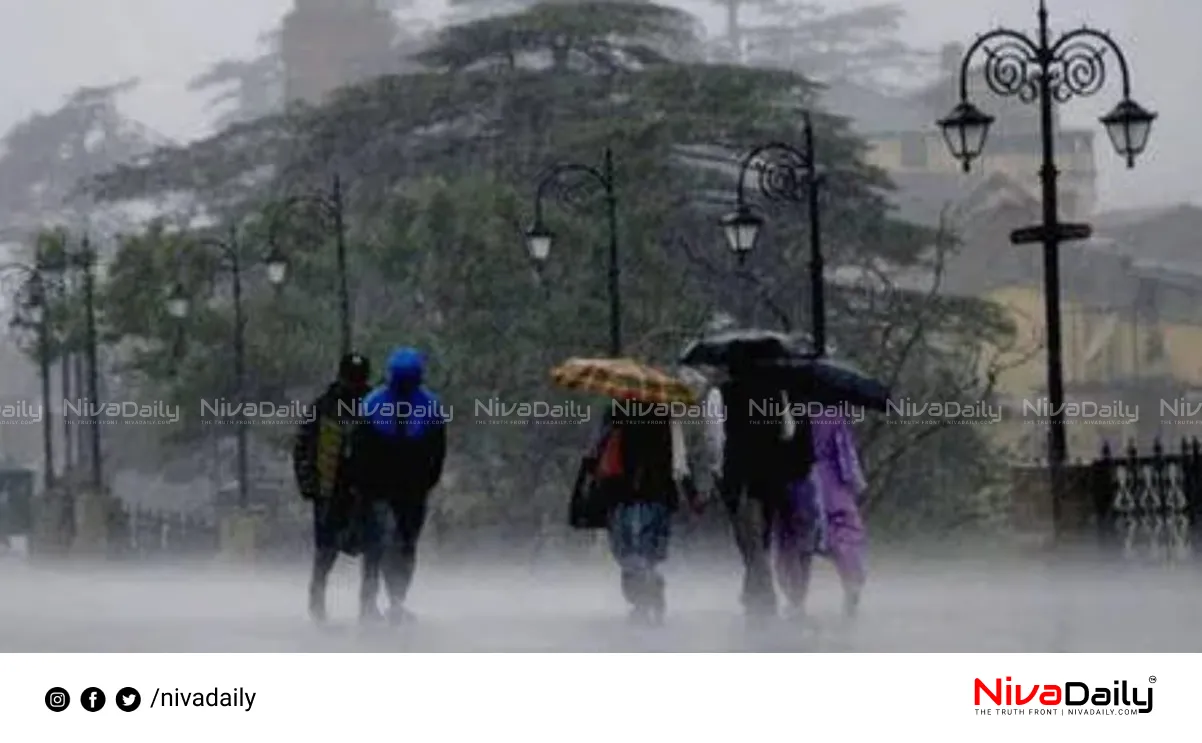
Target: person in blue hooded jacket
[(399, 458)]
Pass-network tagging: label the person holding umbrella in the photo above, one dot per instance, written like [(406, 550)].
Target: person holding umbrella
[(749, 447), (637, 469), (753, 479), (822, 514), (791, 483)]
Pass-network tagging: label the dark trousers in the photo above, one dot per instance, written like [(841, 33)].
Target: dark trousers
[(751, 505), (638, 537), (334, 530), (391, 550)]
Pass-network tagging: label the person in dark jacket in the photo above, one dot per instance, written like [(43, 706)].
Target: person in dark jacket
[(643, 475), (321, 456), (758, 461), (399, 457)]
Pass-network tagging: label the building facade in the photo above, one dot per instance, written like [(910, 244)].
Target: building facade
[(1131, 298), (906, 142)]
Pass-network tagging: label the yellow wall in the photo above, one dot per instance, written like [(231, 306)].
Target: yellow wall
[(1025, 366), (1183, 344), (1078, 169), (886, 152)]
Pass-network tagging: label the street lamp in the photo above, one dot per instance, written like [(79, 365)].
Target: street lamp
[(277, 267), (785, 174), (330, 208), (178, 306), (1129, 125), (178, 303), (36, 305), (965, 130), (742, 228), (539, 239), (1048, 71)]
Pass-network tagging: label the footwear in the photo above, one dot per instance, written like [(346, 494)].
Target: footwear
[(641, 616), (369, 613), (796, 614), (317, 613), (400, 615), (851, 605), (759, 614), (317, 606)]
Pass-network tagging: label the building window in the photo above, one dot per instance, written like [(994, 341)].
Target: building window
[(914, 150)]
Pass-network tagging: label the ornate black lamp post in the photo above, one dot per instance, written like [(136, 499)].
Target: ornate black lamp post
[(329, 207), (178, 306), (1048, 71), (539, 238), (787, 174)]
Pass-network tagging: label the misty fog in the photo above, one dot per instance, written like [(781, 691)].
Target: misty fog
[(177, 135), (949, 604)]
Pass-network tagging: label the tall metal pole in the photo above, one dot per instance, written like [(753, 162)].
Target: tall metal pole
[(344, 295), (89, 283), (538, 233), (44, 364), (64, 373), (778, 164), (78, 374), (1048, 72), (817, 267), (239, 368), (615, 296), (65, 362), (1057, 444)]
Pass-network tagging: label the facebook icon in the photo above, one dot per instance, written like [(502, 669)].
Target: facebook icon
[(92, 699)]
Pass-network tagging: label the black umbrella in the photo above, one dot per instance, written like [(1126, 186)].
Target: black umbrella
[(740, 347), (827, 380)]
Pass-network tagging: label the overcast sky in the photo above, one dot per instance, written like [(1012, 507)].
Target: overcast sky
[(50, 47)]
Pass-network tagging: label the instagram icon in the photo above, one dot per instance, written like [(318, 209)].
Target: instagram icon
[(57, 699)]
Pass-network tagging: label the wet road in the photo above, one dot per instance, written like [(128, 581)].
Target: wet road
[(961, 606)]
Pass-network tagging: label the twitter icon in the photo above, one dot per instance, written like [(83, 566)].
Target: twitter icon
[(128, 699)]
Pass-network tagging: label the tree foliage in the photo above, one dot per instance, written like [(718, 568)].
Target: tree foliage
[(861, 45), (244, 89), (441, 166), (44, 158)]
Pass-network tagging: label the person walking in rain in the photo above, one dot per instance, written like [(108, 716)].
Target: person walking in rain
[(399, 459), (642, 465), (321, 455), (748, 449), (823, 517)]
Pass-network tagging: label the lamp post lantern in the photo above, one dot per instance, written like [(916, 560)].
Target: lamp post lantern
[(785, 174), (330, 207), (539, 239), (1048, 71)]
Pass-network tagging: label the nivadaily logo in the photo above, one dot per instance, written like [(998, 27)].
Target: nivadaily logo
[(1071, 697)]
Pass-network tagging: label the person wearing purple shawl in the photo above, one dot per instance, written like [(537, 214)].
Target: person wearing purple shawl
[(822, 516)]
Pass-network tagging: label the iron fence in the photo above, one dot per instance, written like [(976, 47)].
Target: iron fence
[(1138, 505)]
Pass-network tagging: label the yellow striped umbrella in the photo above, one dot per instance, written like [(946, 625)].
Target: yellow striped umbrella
[(622, 379)]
